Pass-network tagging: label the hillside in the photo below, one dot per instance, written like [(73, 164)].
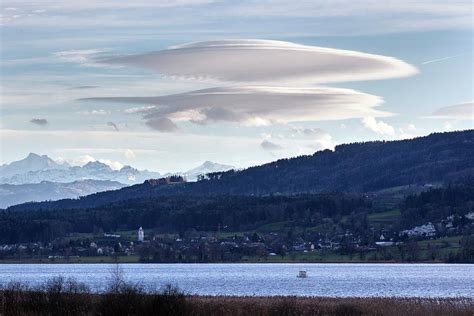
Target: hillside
[(359, 167), (11, 194)]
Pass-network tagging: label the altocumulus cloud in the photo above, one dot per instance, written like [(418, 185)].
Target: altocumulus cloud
[(39, 121), (265, 61), (253, 105)]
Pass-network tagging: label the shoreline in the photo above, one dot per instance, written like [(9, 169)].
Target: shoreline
[(2, 262)]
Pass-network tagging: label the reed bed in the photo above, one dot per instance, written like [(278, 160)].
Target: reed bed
[(68, 297)]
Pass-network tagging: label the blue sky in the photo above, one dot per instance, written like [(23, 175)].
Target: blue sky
[(52, 55)]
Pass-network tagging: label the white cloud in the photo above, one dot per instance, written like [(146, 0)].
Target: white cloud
[(348, 8), (410, 131), (129, 154), (305, 131), (463, 111), (87, 5), (254, 105), (81, 160), (264, 61), (448, 126), (317, 135), (85, 159), (139, 109), (85, 57), (94, 112), (379, 127), (201, 17), (114, 165)]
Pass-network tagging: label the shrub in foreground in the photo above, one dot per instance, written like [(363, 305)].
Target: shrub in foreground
[(59, 296)]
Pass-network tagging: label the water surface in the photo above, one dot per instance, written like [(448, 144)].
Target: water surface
[(335, 280)]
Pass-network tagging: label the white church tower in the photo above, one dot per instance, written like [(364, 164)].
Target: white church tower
[(141, 234)]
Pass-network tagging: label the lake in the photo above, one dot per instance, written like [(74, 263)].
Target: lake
[(334, 280)]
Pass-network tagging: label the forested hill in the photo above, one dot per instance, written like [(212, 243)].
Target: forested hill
[(358, 167)]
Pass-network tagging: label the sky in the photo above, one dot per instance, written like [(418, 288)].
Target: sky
[(167, 85)]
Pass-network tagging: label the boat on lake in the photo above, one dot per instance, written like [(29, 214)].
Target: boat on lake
[(302, 274)]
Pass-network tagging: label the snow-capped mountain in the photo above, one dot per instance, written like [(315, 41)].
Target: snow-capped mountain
[(11, 194), (39, 178), (206, 167), (31, 163), (36, 169)]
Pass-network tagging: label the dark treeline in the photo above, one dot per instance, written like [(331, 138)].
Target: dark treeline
[(359, 167), (178, 214), (437, 204)]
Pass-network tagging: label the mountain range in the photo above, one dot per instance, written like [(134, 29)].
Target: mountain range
[(36, 169), (436, 159), (40, 178)]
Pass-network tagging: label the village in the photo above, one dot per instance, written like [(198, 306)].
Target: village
[(427, 241)]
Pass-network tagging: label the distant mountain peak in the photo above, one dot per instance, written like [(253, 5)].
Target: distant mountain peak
[(37, 168), (96, 164), (206, 167), (208, 163), (33, 155), (128, 168)]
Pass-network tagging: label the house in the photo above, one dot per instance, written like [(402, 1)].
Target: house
[(174, 179), (426, 230)]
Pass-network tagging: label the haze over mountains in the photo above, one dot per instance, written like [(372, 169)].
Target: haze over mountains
[(438, 159), (11, 194), (40, 178)]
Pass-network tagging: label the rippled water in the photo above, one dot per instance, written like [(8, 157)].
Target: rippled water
[(424, 280)]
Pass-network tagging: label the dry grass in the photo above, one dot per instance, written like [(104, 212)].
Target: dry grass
[(68, 297), (221, 305)]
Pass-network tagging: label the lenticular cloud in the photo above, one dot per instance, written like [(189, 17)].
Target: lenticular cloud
[(255, 105), (261, 68), (464, 111), (267, 62)]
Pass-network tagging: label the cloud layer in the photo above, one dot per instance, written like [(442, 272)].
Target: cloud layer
[(267, 62), (308, 17), (464, 111), (252, 105)]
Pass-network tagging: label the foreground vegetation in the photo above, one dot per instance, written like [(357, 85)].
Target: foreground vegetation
[(68, 297)]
